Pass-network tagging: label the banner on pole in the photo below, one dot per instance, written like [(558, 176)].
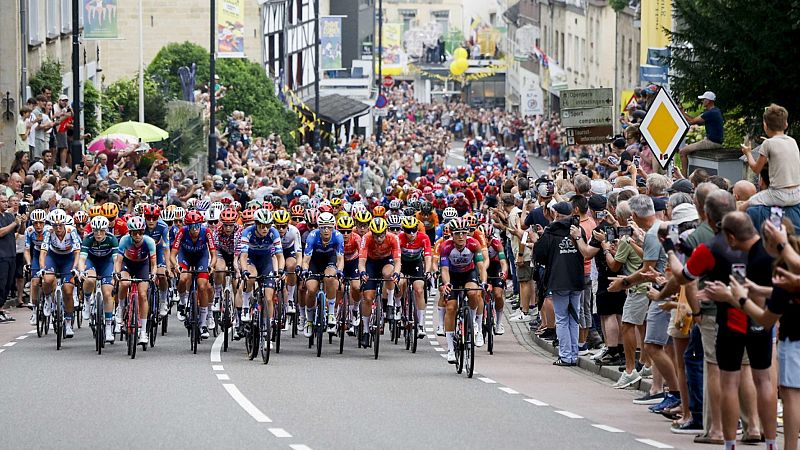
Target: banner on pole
[(392, 43), (331, 42), (230, 29), (100, 19)]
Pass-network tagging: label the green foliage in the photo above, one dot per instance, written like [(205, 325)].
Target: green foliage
[(121, 103), (618, 5), (164, 67), (91, 100), (724, 46), (49, 74), (186, 131)]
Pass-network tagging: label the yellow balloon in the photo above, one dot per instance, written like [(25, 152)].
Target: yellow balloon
[(460, 53), (456, 68)]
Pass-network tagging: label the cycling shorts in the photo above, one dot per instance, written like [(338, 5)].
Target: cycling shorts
[(412, 268), (197, 261), (227, 257), (493, 272), (103, 268), (289, 253), (460, 279), (263, 265), (161, 256), (351, 268), (136, 269), (375, 270), (61, 265)]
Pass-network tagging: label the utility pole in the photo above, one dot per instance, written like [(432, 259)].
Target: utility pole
[(379, 131), (141, 65), (76, 145), (212, 88), (317, 44)]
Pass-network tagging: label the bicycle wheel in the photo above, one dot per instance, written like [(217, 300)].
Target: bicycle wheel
[(320, 323), (58, 318), (458, 340), (377, 318), (266, 335), (414, 337), (488, 327), (194, 323), (133, 322), (152, 322), (255, 334), (469, 345), (226, 318), (277, 329), (40, 318), (342, 320), (99, 323), (376, 341)]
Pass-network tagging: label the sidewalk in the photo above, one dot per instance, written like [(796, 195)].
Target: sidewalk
[(10, 331)]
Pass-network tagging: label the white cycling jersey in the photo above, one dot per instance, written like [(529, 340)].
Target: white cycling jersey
[(70, 243), (291, 240)]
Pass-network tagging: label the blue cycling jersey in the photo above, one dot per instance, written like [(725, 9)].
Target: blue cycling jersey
[(159, 233), (129, 250), (315, 246), (254, 245)]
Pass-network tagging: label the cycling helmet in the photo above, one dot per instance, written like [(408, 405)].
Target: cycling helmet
[(326, 219), (191, 202), (202, 205), (395, 204), (137, 209), (410, 223), (389, 190), (459, 224), (297, 211), (311, 216), (378, 225), (110, 210), (247, 215), (218, 205), (409, 211), (297, 193), (268, 206), (277, 202), (347, 207), (281, 216), (95, 210), (336, 202), (487, 229), (379, 211), (70, 221), (363, 217), (120, 226), (442, 180), (168, 215), (338, 192), (228, 216), (358, 207), (180, 213), (401, 179), (254, 204), (345, 223), (426, 208), (439, 193), (492, 182), (413, 203), (449, 213), (212, 215), (99, 223), (303, 200), (263, 216), (80, 217), (39, 215), (193, 218), (235, 205), (151, 211), (446, 230), (313, 203), (58, 217), (472, 222), (325, 208), (136, 223), (226, 201), (393, 220)]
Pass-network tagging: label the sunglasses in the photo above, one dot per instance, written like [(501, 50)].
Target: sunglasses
[(150, 217), (345, 232), (459, 233), (195, 226), (212, 222), (409, 231), (262, 225), (282, 227), (326, 228), (137, 233)]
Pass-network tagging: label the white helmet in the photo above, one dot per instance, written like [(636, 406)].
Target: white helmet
[(217, 205), (99, 223), (38, 215), (326, 219), (212, 214), (449, 213), (57, 217), (168, 215), (70, 221)]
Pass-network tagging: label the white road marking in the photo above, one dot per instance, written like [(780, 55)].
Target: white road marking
[(24, 336), (655, 444), (299, 447), (279, 432), (249, 407), (443, 356), (533, 401), (9, 344), (571, 415), (487, 380), (508, 390), (438, 349), (428, 322), (607, 428), (32, 331), (223, 376), (434, 343), (432, 336), (217, 367), (215, 349), (2, 350)]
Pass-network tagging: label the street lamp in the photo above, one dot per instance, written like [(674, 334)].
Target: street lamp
[(76, 146), (212, 87)]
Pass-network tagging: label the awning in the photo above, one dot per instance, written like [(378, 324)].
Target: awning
[(338, 109)]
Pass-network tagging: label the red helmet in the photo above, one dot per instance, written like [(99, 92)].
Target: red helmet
[(297, 211), (482, 179), (326, 208), (427, 190), (226, 200), (151, 210), (229, 215), (247, 215), (193, 218), (429, 172), (120, 226), (401, 178), (269, 206)]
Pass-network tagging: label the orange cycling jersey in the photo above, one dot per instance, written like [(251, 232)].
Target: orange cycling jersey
[(480, 237), (352, 247), (429, 221), (371, 249)]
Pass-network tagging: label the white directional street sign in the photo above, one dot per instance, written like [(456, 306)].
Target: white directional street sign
[(587, 98), (587, 117)]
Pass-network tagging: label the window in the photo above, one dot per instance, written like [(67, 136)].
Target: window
[(34, 31), (407, 15), (66, 16), (442, 19), (52, 16)]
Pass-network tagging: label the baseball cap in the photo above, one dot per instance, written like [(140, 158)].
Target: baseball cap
[(563, 208), (685, 212), (660, 204), (682, 185), (708, 95), (599, 187), (63, 97), (597, 202)]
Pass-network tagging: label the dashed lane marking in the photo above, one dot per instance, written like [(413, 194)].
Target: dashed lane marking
[(215, 350), (508, 390), (248, 406), (280, 432), (24, 336), (217, 367), (487, 380), (299, 447), (571, 415), (607, 428), (653, 443), (438, 349), (223, 377), (533, 401), (9, 344)]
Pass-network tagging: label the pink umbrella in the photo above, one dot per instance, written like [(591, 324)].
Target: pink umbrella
[(120, 141)]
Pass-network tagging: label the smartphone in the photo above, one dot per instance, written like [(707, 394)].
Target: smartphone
[(739, 272), (27, 189), (600, 214), (575, 220), (564, 173), (673, 234), (624, 231), (776, 216), (636, 160), (611, 234)]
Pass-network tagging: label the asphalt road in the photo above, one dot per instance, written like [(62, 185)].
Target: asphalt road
[(170, 398)]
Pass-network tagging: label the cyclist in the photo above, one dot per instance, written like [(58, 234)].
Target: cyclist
[(427, 216), (352, 244), (97, 261), (415, 260), (158, 230), (323, 255), (378, 257), (194, 247), (136, 258), (394, 223), (81, 219), (362, 219), (59, 255), (292, 252), (460, 263), (34, 236), (441, 304), (227, 239), (260, 254), (448, 214), (496, 272)]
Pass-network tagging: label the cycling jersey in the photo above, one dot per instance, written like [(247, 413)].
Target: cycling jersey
[(70, 243), (228, 243), (291, 241), (185, 245), (316, 248), (414, 251), (496, 250), (159, 233), (429, 221), (460, 260), (137, 254), (93, 248), (33, 240), (480, 237), (254, 245), (352, 247), (371, 249)]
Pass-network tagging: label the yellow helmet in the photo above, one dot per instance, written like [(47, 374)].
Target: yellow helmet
[(363, 217), (110, 210), (410, 223), (378, 225), (95, 210), (345, 223), (336, 202), (281, 216)]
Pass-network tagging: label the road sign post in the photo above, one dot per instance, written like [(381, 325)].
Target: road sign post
[(587, 98), (588, 115), (664, 127)]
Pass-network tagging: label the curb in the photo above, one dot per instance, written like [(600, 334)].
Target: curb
[(544, 348)]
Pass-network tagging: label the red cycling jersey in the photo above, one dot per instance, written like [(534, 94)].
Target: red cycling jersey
[(413, 251), (352, 247), (370, 249)]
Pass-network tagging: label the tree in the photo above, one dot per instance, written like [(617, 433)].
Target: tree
[(186, 131), (121, 103), (91, 100), (744, 51), (164, 67), (49, 74)]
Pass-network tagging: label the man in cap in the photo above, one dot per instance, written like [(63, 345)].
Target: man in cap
[(712, 119)]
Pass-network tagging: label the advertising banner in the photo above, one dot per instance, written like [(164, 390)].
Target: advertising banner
[(230, 29), (330, 29), (100, 19)]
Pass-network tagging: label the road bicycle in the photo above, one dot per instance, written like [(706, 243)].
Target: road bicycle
[(376, 324), (281, 317), (192, 315), (42, 312), (489, 317), (153, 318), (344, 316), (97, 322), (130, 315), (410, 322), (54, 302), (320, 324), (464, 336), (224, 317), (259, 331)]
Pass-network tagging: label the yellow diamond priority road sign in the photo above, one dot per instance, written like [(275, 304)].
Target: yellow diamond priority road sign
[(664, 127)]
